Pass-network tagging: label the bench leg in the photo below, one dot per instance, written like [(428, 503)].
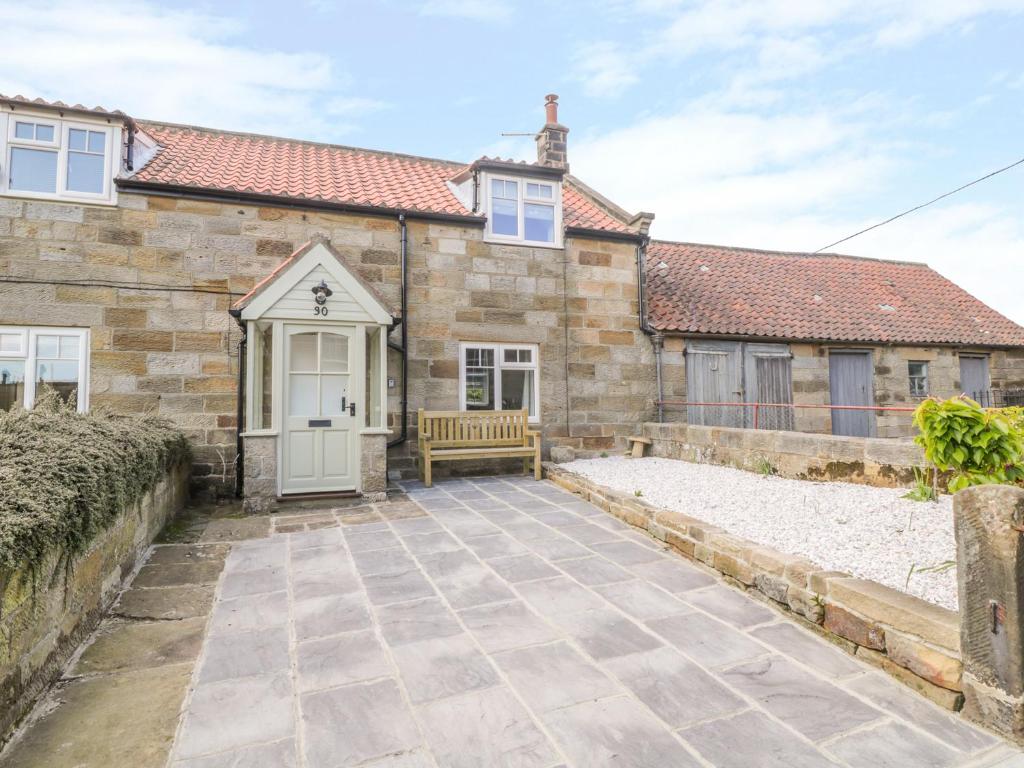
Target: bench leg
[(427, 479), (526, 465), (537, 469)]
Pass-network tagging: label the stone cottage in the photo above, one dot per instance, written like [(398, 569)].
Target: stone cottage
[(292, 304)]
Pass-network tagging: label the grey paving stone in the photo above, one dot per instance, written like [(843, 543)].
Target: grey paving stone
[(394, 560), (708, 641), (441, 564), (338, 582), (807, 704), (642, 600), (434, 669), (237, 713), (588, 533), (279, 754), (611, 523), (626, 552), (485, 728), (318, 560), (605, 633), (250, 612), (384, 588), (558, 596), (892, 745), (409, 622), (333, 661), (594, 570), (322, 537), (472, 585), (676, 689), (753, 739), (581, 507), (558, 518), (330, 615), (243, 654), (555, 547), (534, 671), (163, 554), (616, 732), (178, 574), (418, 758), (522, 568), (527, 530), (806, 648), (250, 556), (892, 696), (412, 525), (495, 545), (469, 524), (367, 541), (356, 723), (487, 503), (506, 625), (242, 583), (166, 603), (730, 605), (425, 543), (673, 574)]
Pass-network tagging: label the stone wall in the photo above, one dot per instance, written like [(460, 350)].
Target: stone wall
[(175, 352), (810, 367), (48, 611), (871, 461), (915, 641)]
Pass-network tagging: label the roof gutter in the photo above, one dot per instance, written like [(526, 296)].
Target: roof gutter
[(602, 234), (296, 203), (676, 333)]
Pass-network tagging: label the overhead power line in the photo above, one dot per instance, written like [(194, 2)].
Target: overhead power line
[(922, 205)]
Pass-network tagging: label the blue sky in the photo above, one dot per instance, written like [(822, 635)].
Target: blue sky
[(764, 123)]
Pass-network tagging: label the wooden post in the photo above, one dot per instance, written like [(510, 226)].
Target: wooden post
[(989, 527)]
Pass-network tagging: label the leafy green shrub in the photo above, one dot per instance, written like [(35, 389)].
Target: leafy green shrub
[(978, 446), (64, 475)]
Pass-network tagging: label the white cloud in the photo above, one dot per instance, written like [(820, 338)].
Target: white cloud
[(474, 10), (173, 65), (604, 69), (792, 181)]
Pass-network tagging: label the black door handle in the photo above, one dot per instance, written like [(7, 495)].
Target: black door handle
[(352, 409)]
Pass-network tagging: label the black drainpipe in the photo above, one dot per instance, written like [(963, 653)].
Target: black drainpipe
[(657, 340), (404, 347), (240, 412)]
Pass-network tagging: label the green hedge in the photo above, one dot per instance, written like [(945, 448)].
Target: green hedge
[(64, 476)]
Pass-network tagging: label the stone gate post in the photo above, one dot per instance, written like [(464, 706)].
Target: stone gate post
[(989, 527)]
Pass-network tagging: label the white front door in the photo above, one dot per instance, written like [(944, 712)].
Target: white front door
[(323, 385)]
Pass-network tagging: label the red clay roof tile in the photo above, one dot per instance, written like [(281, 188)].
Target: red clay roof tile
[(707, 289)]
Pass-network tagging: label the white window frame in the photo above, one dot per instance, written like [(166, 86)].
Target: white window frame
[(499, 364), (29, 335), (924, 377), (555, 201), (62, 127)]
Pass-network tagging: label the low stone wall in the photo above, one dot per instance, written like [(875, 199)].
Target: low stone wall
[(46, 612), (871, 461), (915, 641)]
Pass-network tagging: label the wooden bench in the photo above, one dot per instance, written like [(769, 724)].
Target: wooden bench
[(636, 445), (459, 435)]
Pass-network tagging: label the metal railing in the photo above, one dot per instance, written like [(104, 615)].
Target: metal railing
[(759, 407)]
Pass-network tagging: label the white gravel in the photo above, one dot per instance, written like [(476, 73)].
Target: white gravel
[(869, 532)]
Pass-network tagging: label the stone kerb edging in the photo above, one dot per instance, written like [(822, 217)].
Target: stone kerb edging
[(913, 640)]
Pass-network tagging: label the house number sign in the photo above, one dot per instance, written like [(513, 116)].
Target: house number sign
[(320, 294)]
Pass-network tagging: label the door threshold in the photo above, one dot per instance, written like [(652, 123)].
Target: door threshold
[(318, 496)]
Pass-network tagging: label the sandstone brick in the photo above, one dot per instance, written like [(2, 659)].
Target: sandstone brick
[(616, 337), (84, 294), (144, 340), (212, 384), (205, 341), (595, 259), (934, 665), (945, 698), (846, 624), (122, 317)]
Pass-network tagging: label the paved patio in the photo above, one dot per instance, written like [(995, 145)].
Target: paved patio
[(504, 622)]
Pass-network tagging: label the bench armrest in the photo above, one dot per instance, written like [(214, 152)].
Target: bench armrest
[(530, 434)]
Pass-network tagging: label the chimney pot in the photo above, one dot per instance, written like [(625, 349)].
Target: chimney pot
[(551, 108)]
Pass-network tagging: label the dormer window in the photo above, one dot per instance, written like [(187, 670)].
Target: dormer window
[(58, 159), (524, 210)]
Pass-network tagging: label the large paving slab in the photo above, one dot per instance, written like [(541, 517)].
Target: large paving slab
[(505, 622)]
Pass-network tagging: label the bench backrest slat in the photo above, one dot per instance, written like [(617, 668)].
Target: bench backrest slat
[(457, 429)]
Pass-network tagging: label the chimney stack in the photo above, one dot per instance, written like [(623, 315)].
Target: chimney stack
[(552, 138)]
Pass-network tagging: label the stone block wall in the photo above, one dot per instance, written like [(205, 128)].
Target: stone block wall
[(913, 640), (175, 352), (48, 611), (870, 461)]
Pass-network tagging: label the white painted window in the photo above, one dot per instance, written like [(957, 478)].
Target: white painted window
[(523, 210), (499, 377), (58, 159), (34, 358), (918, 374)]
